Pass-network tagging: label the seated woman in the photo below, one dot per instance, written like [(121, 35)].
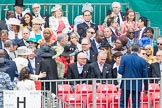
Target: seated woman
[(129, 23), (37, 32), (74, 40), (15, 32), (48, 37), (27, 19), (57, 22)]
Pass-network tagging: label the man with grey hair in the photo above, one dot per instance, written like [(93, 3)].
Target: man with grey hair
[(100, 69), (62, 40), (116, 8), (36, 8), (132, 66), (79, 69), (8, 47)]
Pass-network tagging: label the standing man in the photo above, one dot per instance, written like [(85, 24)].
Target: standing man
[(116, 8), (132, 66), (82, 28), (19, 8), (36, 8)]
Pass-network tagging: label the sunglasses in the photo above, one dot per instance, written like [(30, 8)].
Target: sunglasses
[(91, 32), (159, 43), (131, 32)]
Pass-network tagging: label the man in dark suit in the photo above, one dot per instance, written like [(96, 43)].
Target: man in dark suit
[(132, 66), (158, 47), (82, 28), (25, 37), (19, 9), (36, 8), (156, 68), (3, 25), (100, 69), (3, 38), (142, 24), (91, 55), (8, 66), (79, 69), (96, 42), (116, 8)]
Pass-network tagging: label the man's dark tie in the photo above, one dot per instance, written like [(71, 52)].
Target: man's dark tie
[(118, 20)]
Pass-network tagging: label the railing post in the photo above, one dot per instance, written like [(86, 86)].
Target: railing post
[(161, 91), (94, 92)]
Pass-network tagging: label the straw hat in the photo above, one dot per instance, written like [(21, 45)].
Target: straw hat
[(38, 20), (56, 7), (59, 50), (23, 50), (13, 21), (20, 63)]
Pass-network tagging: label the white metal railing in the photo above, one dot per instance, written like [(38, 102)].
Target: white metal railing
[(102, 93)]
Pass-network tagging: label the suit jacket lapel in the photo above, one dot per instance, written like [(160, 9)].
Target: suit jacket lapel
[(104, 70), (158, 69), (76, 72)]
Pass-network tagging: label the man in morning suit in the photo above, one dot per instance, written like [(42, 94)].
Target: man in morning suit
[(79, 69), (132, 66)]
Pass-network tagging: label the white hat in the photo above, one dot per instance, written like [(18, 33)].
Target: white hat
[(23, 50), (87, 7), (13, 21), (38, 20), (56, 7), (21, 63), (27, 10)]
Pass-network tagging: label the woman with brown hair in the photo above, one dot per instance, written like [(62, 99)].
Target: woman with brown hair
[(129, 23), (24, 82)]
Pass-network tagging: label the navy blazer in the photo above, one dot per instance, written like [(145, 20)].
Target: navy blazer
[(82, 28), (12, 70), (96, 73), (137, 33), (1, 45), (133, 66), (72, 73), (20, 42), (93, 46)]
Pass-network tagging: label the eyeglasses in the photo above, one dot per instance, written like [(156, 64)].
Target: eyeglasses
[(118, 43), (143, 53), (83, 58), (84, 44), (91, 32), (131, 32), (159, 43)]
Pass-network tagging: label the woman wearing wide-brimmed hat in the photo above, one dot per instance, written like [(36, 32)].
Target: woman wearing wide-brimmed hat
[(15, 32), (57, 22), (49, 66)]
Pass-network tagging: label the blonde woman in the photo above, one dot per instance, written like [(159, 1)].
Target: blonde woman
[(57, 22), (149, 54)]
